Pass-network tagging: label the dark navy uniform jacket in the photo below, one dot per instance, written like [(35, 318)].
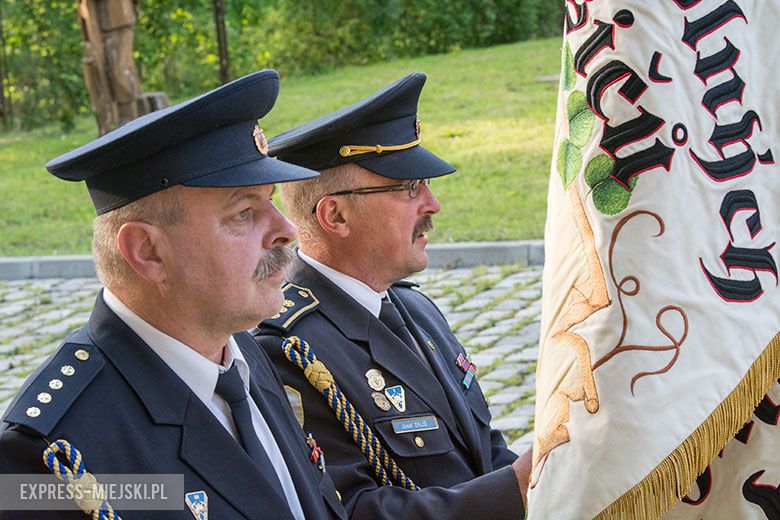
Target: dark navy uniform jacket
[(128, 412), (462, 465)]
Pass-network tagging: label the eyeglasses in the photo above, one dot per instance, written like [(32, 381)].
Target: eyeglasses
[(412, 187)]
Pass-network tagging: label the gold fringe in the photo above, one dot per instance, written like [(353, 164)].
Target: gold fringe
[(671, 480)]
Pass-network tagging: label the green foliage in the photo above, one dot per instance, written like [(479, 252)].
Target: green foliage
[(43, 60), (568, 74), (317, 35), (609, 196), (582, 120), (569, 162), (493, 120), (176, 49)]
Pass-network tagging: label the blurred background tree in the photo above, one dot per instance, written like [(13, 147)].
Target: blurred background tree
[(176, 47)]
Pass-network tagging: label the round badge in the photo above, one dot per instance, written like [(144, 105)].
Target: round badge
[(381, 401), (68, 370), (82, 355), (55, 384), (44, 397)]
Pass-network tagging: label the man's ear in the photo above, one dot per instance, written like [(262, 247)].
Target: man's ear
[(333, 216), (141, 246)]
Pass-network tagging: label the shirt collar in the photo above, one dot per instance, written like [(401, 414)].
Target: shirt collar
[(359, 291), (197, 371)]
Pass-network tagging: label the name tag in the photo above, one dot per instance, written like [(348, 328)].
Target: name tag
[(417, 424)]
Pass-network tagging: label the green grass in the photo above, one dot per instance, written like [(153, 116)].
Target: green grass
[(483, 110)]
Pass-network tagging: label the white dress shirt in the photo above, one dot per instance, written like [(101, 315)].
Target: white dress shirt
[(200, 374), (359, 291)]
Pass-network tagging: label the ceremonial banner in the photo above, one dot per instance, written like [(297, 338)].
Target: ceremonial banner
[(661, 309)]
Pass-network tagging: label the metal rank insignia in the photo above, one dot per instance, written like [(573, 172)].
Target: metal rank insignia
[(198, 502), (375, 379), (397, 396), (381, 401), (465, 364), (317, 455)]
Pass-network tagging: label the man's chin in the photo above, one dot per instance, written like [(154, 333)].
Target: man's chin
[(270, 306), (420, 261)]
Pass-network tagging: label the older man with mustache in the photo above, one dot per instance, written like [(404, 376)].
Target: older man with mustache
[(164, 379), (369, 362)]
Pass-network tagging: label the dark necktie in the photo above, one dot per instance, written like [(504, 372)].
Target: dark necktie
[(231, 388), (392, 319)]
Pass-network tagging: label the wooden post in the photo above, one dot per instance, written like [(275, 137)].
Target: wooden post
[(5, 108), (109, 68), (224, 57)]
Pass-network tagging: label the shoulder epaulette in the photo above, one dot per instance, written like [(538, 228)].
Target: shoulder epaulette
[(405, 283), (51, 391), (298, 302)]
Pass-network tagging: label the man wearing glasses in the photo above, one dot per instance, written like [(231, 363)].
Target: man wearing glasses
[(369, 363)]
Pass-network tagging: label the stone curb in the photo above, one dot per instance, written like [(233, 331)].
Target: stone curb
[(460, 254)]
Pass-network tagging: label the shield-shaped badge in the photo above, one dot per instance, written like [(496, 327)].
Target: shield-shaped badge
[(397, 396), (198, 502)]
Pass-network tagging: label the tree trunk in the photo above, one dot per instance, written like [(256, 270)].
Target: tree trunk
[(109, 69), (5, 107), (224, 57)]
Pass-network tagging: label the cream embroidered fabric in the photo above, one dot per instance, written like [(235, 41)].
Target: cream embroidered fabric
[(661, 309)]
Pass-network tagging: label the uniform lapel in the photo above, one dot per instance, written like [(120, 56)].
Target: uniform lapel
[(205, 445), (225, 466), (288, 437), (385, 348), (455, 396)]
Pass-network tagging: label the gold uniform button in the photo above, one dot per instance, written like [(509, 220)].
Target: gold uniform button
[(68, 370), (419, 442), (82, 355), (44, 397), (55, 384), (33, 411), (431, 345)]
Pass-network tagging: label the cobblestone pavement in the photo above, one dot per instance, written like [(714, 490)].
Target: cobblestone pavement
[(493, 310)]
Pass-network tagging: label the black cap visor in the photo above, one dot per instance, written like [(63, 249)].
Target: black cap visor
[(413, 163)]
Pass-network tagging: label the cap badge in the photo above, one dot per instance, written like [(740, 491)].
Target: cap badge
[(260, 141)]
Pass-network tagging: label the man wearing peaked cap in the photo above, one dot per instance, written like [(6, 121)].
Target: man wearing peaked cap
[(405, 423), (163, 380)]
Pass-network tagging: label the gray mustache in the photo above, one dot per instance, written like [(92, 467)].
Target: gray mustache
[(278, 258), (423, 226)]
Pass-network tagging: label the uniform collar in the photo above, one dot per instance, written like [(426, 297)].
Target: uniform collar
[(197, 372), (359, 291)]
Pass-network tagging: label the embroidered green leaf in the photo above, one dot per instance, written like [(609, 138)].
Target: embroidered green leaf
[(582, 120), (598, 170), (568, 76), (610, 197), (569, 162)]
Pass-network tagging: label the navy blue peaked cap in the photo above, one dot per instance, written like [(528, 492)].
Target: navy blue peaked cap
[(212, 140), (380, 133)]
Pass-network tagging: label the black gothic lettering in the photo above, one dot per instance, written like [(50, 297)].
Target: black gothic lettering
[(724, 59), (616, 137), (697, 29)]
